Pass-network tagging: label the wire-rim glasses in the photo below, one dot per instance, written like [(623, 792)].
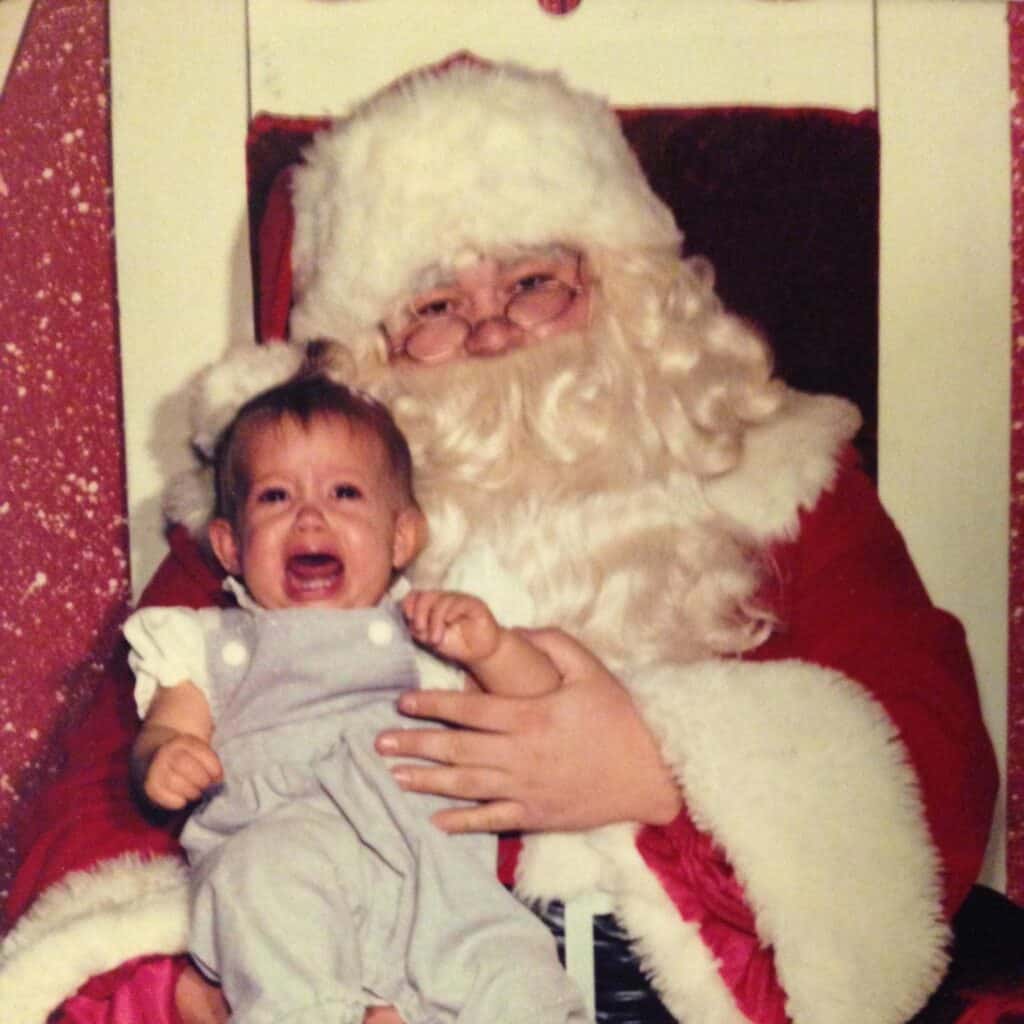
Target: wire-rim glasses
[(539, 296)]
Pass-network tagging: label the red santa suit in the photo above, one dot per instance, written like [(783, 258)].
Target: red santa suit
[(837, 779)]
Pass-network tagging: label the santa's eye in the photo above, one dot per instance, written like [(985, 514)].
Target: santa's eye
[(432, 307), (271, 495), (532, 281)]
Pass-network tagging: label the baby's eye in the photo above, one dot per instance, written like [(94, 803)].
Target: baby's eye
[(347, 492), (270, 495)]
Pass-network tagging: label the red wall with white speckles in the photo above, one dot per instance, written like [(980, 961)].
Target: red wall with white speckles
[(63, 539)]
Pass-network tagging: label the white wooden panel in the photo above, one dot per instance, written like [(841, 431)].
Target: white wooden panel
[(179, 121), (313, 58), (945, 318)]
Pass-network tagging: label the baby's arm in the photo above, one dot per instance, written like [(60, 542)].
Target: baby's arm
[(172, 760), (462, 628)]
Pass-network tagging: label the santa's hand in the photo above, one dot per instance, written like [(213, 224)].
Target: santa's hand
[(575, 758)]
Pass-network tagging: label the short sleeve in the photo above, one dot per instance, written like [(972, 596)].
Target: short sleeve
[(167, 647)]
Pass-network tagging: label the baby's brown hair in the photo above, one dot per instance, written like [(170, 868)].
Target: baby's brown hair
[(306, 397)]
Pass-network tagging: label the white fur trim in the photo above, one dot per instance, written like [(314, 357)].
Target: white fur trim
[(215, 397), (561, 865), (189, 500), (670, 949), (225, 386), (88, 923), (475, 159), (787, 462), (828, 869)]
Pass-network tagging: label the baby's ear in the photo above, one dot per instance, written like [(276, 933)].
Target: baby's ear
[(225, 545), (410, 536)]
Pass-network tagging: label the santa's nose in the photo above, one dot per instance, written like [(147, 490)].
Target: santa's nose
[(493, 336)]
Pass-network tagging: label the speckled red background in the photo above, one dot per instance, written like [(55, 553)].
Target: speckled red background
[(63, 538)]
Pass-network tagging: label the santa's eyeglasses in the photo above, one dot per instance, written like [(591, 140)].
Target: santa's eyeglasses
[(539, 292)]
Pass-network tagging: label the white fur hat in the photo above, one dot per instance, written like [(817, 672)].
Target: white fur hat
[(222, 388), (469, 159), (215, 397)]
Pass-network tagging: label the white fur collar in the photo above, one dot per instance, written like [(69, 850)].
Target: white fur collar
[(786, 464)]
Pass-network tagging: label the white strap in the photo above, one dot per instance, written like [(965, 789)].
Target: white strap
[(580, 912)]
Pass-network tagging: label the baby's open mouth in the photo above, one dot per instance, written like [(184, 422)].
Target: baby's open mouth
[(314, 573)]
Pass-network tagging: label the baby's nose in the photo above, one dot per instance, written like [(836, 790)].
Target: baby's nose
[(310, 515)]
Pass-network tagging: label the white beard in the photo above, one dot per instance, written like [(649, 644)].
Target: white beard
[(542, 477)]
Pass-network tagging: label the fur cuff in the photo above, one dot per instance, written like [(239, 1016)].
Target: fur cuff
[(802, 779), (89, 923)]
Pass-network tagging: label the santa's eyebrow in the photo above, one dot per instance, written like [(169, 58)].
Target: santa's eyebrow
[(438, 276)]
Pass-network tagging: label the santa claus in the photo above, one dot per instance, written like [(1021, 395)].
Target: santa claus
[(765, 777)]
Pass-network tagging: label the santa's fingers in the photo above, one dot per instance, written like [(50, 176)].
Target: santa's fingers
[(462, 783), (494, 816), (472, 710), (492, 810), (460, 747)]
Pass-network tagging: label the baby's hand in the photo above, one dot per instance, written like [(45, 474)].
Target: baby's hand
[(180, 771), (455, 625)]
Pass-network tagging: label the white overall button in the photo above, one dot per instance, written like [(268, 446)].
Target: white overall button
[(380, 632), (234, 653)]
